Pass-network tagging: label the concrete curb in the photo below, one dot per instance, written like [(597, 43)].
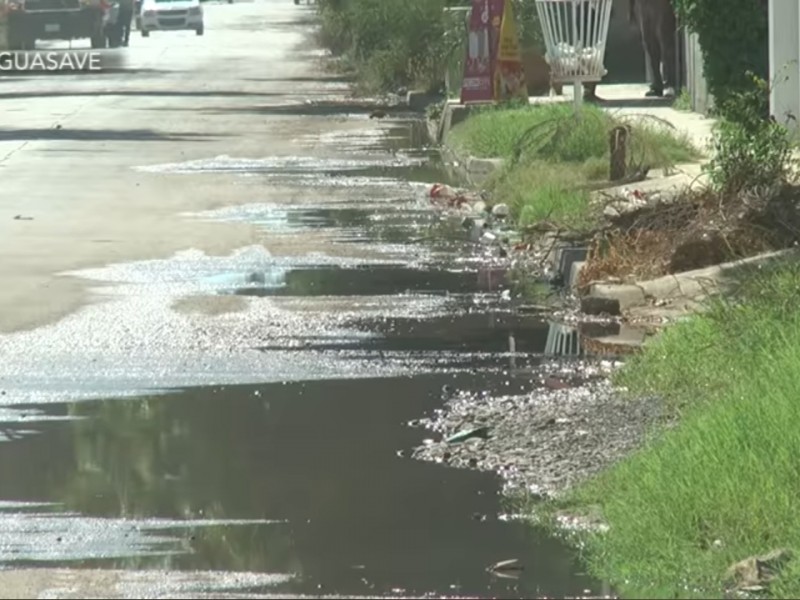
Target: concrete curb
[(419, 101), (615, 299)]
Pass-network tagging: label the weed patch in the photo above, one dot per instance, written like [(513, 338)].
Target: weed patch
[(554, 133)]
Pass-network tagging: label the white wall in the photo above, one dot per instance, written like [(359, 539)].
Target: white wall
[(784, 59)]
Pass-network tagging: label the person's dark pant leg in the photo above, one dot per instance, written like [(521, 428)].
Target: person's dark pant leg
[(591, 17), (650, 39), (125, 20), (667, 30)]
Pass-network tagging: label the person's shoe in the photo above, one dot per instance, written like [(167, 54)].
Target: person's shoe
[(654, 93), (669, 92)]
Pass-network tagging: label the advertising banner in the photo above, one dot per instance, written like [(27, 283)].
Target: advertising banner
[(478, 74), (509, 75), (493, 66)]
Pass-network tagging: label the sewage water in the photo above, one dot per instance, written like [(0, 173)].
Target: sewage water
[(314, 467), (306, 481)]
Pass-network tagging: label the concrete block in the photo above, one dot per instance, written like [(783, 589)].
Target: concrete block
[(598, 305), (481, 168), (627, 336), (419, 101), (567, 256), (575, 272), (452, 115), (598, 329), (626, 295), (680, 286)]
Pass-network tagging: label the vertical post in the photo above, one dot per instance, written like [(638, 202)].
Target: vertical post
[(578, 86), (784, 53), (618, 150)]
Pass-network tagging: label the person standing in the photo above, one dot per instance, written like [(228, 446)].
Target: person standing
[(658, 25), (125, 17), (591, 16)]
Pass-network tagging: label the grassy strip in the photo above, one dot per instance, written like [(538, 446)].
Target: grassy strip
[(724, 484), (558, 153), (495, 132)]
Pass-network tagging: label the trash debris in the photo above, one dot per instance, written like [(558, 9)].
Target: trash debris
[(756, 573), (506, 568), (501, 211), (477, 432)]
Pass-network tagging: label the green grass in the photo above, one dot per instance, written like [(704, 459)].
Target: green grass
[(730, 470), (543, 191), (554, 133), (683, 101), (552, 155)]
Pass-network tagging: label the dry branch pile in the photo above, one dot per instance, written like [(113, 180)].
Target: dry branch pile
[(697, 229)]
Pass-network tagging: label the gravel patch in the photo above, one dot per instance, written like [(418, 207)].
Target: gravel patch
[(575, 425)]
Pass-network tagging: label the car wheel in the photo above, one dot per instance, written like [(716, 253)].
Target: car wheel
[(145, 33), (199, 31)]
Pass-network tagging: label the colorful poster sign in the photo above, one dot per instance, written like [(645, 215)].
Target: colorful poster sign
[(487, 76), (477, 83), (509, 75)]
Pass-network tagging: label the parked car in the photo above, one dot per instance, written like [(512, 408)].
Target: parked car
[(171, 15), (27, 21)]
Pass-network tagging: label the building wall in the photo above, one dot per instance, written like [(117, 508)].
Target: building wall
[(784, 61), (695, 81)]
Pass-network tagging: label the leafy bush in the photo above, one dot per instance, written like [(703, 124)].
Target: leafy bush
[(734, 41), (390, 43), (751, 153)]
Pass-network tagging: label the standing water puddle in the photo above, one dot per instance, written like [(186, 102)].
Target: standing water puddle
[(298, 476), (368, 280), (315, 462)]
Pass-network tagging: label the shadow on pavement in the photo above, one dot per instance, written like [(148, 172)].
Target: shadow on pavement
[(23, 75), (320, 79), (144, 93), (635, 102), (317, 109), (135, 135)]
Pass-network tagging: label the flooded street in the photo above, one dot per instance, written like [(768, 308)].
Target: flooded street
[(227, 304)]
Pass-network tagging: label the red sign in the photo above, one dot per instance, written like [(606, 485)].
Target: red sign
[(481, 55)]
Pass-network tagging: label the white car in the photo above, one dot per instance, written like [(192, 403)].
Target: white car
[(171, 15)]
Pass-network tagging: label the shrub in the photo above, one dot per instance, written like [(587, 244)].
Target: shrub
[(390, 43), (734, 41), (751, 153)]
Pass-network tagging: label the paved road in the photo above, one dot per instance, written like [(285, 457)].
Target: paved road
[(69, 145), (84, 186), (102, 169)]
